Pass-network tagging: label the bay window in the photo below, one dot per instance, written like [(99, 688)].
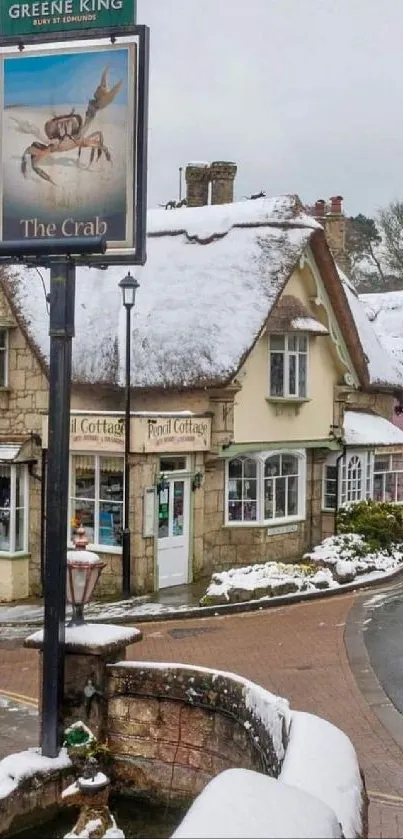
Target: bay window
[(265, 488), (13, 508), (96, 498), (388, 478), (288, 367)]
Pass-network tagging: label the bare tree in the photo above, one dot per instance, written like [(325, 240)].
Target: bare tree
[(391, 224)]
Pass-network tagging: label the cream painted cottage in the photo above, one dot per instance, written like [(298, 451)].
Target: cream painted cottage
[(262, 397)]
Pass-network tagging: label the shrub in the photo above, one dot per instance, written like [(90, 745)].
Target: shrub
[(378, 522)]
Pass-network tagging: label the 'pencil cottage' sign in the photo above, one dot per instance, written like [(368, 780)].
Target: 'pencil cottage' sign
[(179, 433)]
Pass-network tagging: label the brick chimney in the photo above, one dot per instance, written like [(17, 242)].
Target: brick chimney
[(335, 231), (222, 175), (332, 218), (319, 209), (197, 183)]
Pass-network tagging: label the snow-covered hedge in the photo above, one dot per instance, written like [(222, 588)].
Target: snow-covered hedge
[(336, 561)]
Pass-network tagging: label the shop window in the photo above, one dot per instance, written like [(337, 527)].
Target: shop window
[(13, 508), (288, 367), (266, 488), (329, 487), (355, 479), (96, 500), (388, 478), (242, 489), (4, 333)]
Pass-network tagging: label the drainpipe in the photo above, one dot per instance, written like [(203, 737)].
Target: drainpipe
[(43, 513), (338, 461)]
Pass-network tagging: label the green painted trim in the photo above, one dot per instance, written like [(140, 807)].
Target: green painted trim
[(240, 448)]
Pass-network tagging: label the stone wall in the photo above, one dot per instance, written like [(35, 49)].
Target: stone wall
[(36, 800), (170, 730), (376, 402), (22, 403)]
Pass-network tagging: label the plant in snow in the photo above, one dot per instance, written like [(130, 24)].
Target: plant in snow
[(379, 523)]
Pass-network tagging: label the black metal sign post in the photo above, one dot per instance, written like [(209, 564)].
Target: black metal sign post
[(61, 331)]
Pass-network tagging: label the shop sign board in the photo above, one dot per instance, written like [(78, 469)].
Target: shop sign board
[(73, 146), (24, 21), (93, 433), (179, 433)]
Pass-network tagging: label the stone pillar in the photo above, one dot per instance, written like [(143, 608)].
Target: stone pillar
[(197, 183), (222, 175), (88, 651)]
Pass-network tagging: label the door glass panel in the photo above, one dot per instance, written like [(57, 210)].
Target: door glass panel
[(163, 513), (178, 508), (172, 464)]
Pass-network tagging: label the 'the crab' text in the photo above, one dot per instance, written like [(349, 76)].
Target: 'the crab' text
[(69, 227)]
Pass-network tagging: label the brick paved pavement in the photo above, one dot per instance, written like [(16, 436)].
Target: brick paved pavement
[(295, 651)]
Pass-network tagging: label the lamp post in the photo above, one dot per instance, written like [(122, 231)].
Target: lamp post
[(129, 286)]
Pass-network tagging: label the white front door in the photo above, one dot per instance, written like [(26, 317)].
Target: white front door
[(173, 533)]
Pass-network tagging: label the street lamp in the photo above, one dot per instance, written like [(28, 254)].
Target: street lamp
[(83, 572), (129, 286)]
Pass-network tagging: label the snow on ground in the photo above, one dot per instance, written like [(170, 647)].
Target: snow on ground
[(14, 768), (331, 564), (239, 802)]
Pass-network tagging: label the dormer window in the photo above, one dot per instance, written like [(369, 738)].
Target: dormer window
[(288, 366)]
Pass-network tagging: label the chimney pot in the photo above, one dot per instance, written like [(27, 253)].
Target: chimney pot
[(335, 205), (319, 208), (197, 177), (222, 174)]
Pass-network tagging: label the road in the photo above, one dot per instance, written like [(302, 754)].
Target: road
[(383, 636), (295, 651)]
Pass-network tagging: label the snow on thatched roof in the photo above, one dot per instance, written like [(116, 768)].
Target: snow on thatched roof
[(383, 363), (212, 276)]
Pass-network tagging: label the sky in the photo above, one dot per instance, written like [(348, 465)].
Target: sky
[(67, 79), (306, 96)]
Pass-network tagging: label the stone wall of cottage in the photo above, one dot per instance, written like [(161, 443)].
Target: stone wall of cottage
[(22, 404), (375, 402)]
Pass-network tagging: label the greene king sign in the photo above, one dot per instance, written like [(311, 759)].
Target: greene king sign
[(19, 19)]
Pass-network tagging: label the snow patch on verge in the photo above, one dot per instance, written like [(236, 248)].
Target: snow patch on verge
[(16, 767)]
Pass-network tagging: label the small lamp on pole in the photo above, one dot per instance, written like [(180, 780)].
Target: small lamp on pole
[(83, 572), (128, 286)]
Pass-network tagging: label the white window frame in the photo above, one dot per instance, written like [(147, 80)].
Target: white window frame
[(331, 463), (287, 353), (366, 457), (260, 459), (96, 544), (6, 351), (13, 484), (389, 471)]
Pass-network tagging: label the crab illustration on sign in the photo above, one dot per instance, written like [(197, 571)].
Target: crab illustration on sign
[(68, 143), (68, 132)]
